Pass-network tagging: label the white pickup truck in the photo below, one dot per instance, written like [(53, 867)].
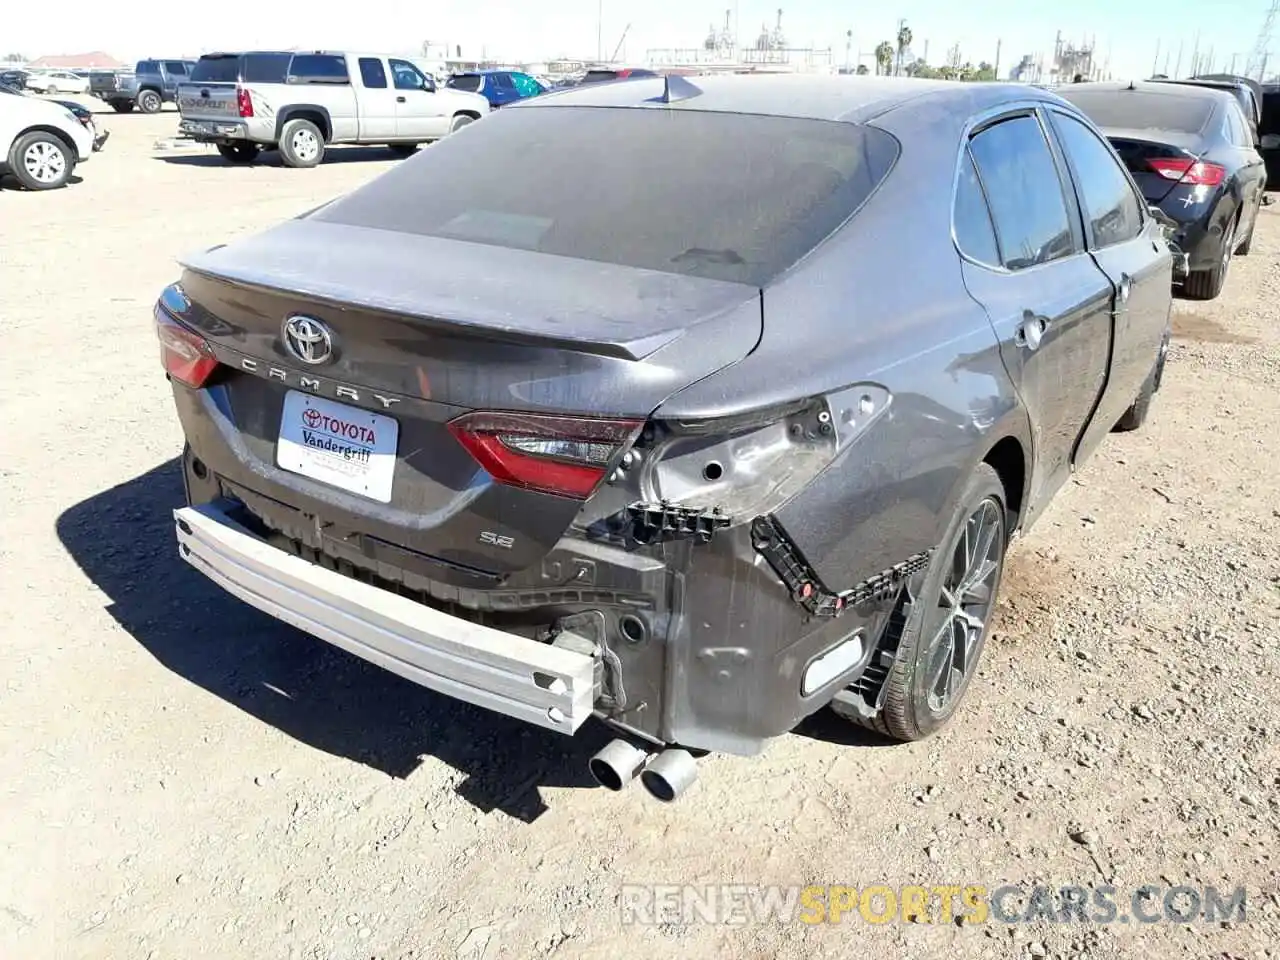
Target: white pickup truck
[(299, 103)]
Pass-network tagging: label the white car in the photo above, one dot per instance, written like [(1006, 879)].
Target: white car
[(57, 81), (41, 142)]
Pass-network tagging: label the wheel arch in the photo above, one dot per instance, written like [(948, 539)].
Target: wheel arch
[(473, 114), (306, 111), (62, 135), (1009, 458)]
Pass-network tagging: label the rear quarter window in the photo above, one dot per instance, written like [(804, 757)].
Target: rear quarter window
[(216, 70), (467, 81), (717, 195)]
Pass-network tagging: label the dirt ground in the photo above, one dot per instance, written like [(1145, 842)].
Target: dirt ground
[(183, 777)]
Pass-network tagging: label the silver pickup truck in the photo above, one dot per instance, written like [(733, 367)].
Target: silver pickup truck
[(299, 103)]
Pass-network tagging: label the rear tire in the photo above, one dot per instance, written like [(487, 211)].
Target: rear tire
[(1207, 284), (403, 149), (948, 611), (239, 153), (149, 101), (301, 144), (460, 121), (40, 161)]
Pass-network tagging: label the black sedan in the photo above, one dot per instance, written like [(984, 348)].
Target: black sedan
[(1191, 152)]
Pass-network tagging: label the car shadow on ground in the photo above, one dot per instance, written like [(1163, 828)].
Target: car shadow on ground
[(271, 158), (123, 540)]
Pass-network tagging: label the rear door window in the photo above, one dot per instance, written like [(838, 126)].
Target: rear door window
[(318, 68), (176, 68), (1024, 191), (372, 73), (1107, 197), (663, 202)]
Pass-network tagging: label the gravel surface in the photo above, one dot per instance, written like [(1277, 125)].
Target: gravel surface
[(183, 777)]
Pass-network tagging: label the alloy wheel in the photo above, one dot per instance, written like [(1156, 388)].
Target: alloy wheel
[(965, 603)]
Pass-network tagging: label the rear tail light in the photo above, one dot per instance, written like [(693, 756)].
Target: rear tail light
[(186, 356), (244, 101), (1189, 171), (567, 456)]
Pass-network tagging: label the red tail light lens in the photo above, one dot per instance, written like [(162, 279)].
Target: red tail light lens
[(244, 101), (185, 354), (567, 456), (1185, 170)]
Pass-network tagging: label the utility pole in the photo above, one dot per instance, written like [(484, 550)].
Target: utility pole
[(1233, 64), (999, 43), (1155, 64), (1195, 56), (926, 51), (600, 31), (1177, 67)]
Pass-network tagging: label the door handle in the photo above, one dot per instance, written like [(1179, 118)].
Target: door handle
[(399, 99), (1031, 330)]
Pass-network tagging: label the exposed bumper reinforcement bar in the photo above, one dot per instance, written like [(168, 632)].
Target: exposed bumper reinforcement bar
[(536, 682)]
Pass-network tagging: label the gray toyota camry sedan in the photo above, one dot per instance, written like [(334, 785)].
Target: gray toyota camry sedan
[(691, 406)]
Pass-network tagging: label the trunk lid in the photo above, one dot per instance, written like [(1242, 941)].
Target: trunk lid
[(425, 330), (1137, 148)]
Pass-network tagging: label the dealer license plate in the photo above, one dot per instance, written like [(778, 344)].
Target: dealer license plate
[(338, 444)]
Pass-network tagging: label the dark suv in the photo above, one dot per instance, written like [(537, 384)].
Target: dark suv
[(152, 84), (694, 453)]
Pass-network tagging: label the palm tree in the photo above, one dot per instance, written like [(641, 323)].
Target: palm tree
[(904, 41), (884, 56)]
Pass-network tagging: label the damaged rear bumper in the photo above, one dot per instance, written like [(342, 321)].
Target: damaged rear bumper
[(542, 684)]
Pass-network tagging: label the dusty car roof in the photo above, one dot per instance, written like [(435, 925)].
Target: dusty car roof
[(848, 98)]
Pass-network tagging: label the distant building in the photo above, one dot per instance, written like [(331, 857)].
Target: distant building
[(97, 60)]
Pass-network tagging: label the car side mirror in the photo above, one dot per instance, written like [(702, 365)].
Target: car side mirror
[(428, 85)]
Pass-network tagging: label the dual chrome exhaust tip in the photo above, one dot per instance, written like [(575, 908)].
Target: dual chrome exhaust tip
[(666, 775)]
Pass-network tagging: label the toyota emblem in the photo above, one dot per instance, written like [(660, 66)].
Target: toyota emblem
[(308, 339)]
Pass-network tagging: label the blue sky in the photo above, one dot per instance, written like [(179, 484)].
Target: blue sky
[(520, 29)]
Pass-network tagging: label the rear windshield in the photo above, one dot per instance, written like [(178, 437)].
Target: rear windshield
[(216, 70), (1143, 109), (724, 196), (468, 81)]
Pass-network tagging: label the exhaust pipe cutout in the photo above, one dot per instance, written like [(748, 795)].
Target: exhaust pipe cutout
[(618, 764), (670, 774)]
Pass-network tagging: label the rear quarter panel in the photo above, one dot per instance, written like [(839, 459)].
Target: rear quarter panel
[(882, 301)]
